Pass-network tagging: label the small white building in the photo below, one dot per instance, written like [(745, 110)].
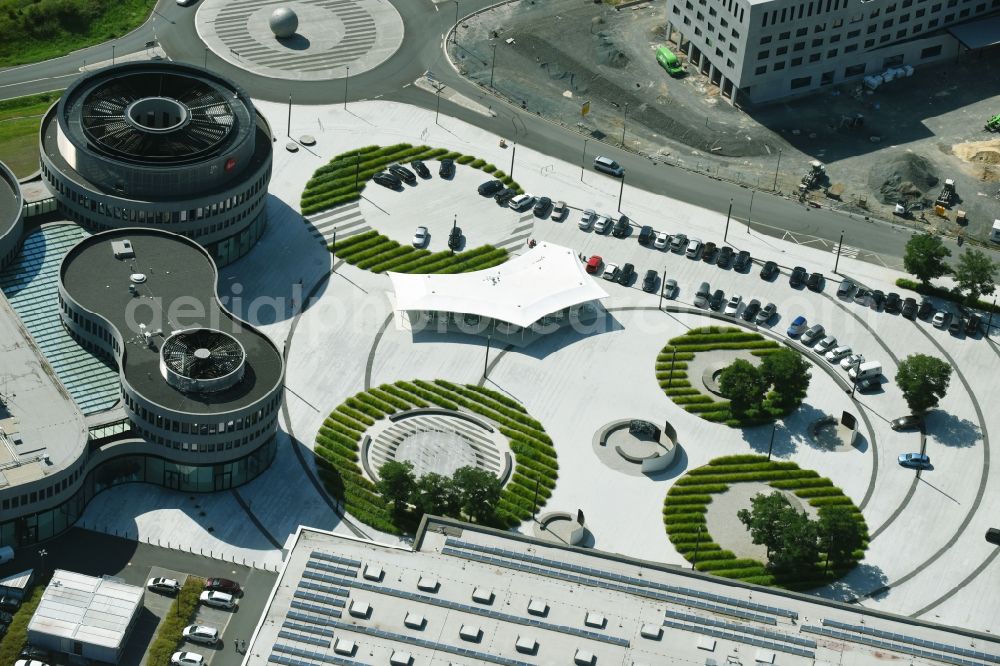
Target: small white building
[(86, 616)]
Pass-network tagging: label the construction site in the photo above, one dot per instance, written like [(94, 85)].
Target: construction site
[(917, 149)]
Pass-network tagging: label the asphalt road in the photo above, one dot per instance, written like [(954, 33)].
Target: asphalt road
[(425, 26)]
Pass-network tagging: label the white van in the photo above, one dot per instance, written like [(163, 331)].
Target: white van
[(865, 370), (609, 166)]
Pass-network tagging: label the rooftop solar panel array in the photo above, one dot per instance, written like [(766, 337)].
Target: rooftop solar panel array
[(718, 598), (760, 633), (312, 640), (912, 640), (332, 569), (740, 638), (477, 610), (320, 555), (292, 652), (891, 645), (638, 591), (315, 608)]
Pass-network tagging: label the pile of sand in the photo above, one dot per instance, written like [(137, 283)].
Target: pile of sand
[(907, 176), (610, 54), (979, 152)]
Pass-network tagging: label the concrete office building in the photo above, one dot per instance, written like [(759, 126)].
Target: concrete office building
[(165, 145), (11, 216), (759, 51)]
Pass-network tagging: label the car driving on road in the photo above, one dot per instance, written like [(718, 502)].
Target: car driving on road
[(915, 460)]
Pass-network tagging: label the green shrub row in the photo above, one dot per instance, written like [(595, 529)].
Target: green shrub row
[(17, 630), (954, 295), (748, 466)]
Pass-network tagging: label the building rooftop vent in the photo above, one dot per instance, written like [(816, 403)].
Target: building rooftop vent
[(122, 249), (137, 278), (202, 360)]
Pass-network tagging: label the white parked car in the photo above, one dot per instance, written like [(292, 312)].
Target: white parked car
[(420, 237), (218, 599), (661, 241), (838, 353), (826, 344), (693, 247), (201, 633), (187, 659), (733, 305), (611, 271), (940, 319), (603, 224), (587, 218), (164, 585), (522, 202), (852, 360)]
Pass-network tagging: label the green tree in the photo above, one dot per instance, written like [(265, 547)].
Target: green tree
[(924, 257), (478, 492), (436, 495), (765, 519), (923, 380), (396, 483), (839, 534), (788, 373), (742, 384), (799, 544), (975, 273)]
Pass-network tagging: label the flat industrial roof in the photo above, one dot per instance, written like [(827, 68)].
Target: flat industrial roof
[(470, 595), (544, 280), (97, 611), (179, 293), (979, 33)]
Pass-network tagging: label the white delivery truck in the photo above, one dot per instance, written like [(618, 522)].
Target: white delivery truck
[(995, 232), (866, 370)]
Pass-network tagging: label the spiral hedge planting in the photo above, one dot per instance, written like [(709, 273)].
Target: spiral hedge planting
[(338, 445), (687, 503), (377, 253)]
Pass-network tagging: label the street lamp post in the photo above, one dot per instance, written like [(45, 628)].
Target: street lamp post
[(697, 545), (346, 79), (494, 65), (583, 158), (486, 361), (775, 187), (454, 35), (621, 191), (113, 46), (288, 132), (673, 355), (840, 245), (624, 120), (513, 151), (206, 57), (752, 192), (989, 325), (42, 554), (437, 112), (663, 283), (770, 445), (728, 215), (857, 369)]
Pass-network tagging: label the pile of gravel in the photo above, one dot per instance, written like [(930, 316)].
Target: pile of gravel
[(905, 177)]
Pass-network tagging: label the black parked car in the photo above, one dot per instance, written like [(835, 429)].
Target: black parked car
[(421, 169), (404, 174), (504, 196), (972, 324), (725, 256), (649, 281), (29, 651), (768, 270), (798, 276), (646, 235), (10, 604), (815, 282), (708, 252), (925, 310), (846, 288), (751, 310), (878, 298), (447, 168), (455, 238), (621, 228), (490, 188), (957, 326), (543, 206), (743, 261), (893, 303), (718, 299), (910, 308), (5, 617), (388, 180), (627, 275)]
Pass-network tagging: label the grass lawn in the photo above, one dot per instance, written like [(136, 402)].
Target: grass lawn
[(17, 634), (43, 29), (19, 121)]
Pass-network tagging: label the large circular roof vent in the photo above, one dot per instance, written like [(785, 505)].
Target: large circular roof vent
[(202, 360)]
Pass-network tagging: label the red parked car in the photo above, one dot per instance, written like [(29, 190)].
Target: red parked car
[(594, 263), (223, 585)]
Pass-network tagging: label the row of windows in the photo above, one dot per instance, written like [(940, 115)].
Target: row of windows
[(43, 493), (776, 16), (826, 78), (729, 5), (188, 428), (153, 438)]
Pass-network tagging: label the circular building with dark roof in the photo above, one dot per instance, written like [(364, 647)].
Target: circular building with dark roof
[(200, 385), (11, 216), (163, 145)]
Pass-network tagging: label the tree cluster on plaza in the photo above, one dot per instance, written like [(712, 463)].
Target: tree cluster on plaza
[(923, 380), (470, 492), (794, 541), (975, 273), (784, 373)]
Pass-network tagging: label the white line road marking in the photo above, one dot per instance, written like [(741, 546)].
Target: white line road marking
[(49, 78)]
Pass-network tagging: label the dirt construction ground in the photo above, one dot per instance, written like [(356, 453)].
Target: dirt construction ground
[(552, 57)]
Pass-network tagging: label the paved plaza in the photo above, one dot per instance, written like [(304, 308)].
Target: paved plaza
[(927, 534)]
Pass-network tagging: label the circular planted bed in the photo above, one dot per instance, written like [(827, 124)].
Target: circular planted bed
[(687, 509), (345, 432), (344, 178)]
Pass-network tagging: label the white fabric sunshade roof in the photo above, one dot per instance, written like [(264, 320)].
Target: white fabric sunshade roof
[(546, 279)]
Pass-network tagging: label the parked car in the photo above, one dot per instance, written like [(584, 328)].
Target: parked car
[(852, 361), (862, 295), (649, 281), (733, 305), (201, 633), (603, 224), (893, 303), (743, 261), (798, 277), (542, 206), (29, 662), (10, 604), (646, 235), (559, 211), (420, 237), (878, 298), (621, 228), (908, 422), (796, 327), (455, 238), (662, 241), (725, 256), (766, 314), (670, 288), (29, 651), (814, 333), (611, 272), (703, 296), (826, 344), (910, 308), (926, 309), (709, 252), (423, 171), (404, 174), (522, 202), (915, 460), (447, 168), (693, 248), (5, 618), (587, 218), (815, 282), (504, 196), (866, 384), (769, 270), (678, 243), (163, 585), (971, 328), (941, 319), (490, 188), (718, 300), (837, 353), (956, 326), (751, 310), (627, 275), (845, 289), (218, 599), (186, 659), (388, 180), (594, 263)]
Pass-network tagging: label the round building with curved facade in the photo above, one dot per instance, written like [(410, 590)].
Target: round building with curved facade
[(163, 145), (11, 216)]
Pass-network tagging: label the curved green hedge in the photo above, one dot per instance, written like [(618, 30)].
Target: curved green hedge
[(677, 385), (338, 444), (687, 502), (377, 253)]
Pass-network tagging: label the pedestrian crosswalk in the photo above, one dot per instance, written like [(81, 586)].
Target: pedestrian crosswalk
[(340, 222), (848, 251), (518, 239)]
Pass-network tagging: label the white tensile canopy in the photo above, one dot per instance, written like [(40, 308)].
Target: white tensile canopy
[(546, 279)]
